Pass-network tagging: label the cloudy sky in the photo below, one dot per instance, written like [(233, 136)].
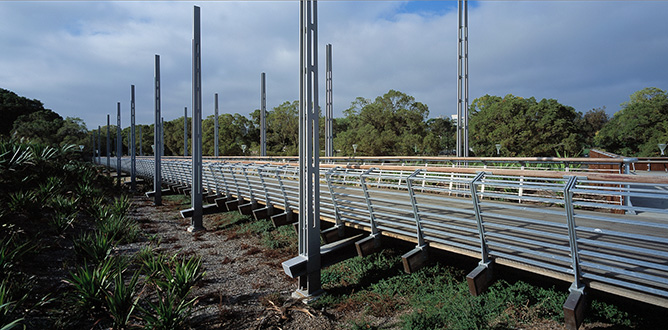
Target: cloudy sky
[(80, 57)]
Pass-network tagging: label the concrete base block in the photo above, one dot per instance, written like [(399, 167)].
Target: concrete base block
[(247, 208), (480, 278), (368, 245), (574, 309), (263, 213), (415, 259), (282, 219), (333, 234)]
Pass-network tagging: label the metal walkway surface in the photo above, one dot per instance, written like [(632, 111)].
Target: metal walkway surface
[(600, 230)]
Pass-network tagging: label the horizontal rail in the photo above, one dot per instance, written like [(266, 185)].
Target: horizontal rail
[(605, 230)]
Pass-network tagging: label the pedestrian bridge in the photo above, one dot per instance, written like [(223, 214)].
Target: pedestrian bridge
[(590, 222)]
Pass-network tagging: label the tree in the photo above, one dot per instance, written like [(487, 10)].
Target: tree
[(523, 127), (12, 107), (40, 126), (592, 123), (283, 129), (392, 124), (639, 126)]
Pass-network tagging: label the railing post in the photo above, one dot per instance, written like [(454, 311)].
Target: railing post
[(411, 193), (372, 218), (575, 303), (481, 277), (328, 177)]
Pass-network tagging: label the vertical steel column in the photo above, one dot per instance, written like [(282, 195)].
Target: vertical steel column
[(263, 116), (462, 80), (309, 187), (119, 143), (329, 107), (99, 145), (215, 126), (133, 156), (92, 146), (484, 251), (108, 147), (140, 141), (157, 137), (196, 193), (162, 136), (185, 131)]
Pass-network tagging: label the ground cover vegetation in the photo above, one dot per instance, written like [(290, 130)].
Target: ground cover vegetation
[(391, 124)]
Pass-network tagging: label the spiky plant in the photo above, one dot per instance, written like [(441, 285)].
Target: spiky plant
[(122, 300), (94, 246), (90, 283)]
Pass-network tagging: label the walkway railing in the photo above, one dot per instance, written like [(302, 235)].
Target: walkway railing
[(555, 223)]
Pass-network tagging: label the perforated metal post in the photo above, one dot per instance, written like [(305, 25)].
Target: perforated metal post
[(309, 189), (99, 145), (215, 126), (108, 147), (263, 116), (462, 80), (185, 132), (157, 136), (133, 156), (196, 193), (141, 153), (329, 107), (119, 143)]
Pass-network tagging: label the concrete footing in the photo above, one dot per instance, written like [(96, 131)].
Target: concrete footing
[(415, 259), (574, 309), (480, 278), (368, 245)]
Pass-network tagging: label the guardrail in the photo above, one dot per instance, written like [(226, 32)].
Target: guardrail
[(555, 223)]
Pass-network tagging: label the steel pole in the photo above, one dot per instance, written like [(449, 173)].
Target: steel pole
[(108, 147), (157, 137), (215, 126), (99, 145), (196, 193), (133, 156), (263, 116), (329, 107), (119, 143), (185, 132), (309, 192)]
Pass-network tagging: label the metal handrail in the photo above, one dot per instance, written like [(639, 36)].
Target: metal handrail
[(561, 222)]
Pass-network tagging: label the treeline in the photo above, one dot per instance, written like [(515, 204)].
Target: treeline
[(391, 124)]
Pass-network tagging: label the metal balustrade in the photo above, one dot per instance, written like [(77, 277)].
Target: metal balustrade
[(556, 223)]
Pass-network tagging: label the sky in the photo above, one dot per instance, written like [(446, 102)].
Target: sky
[(81, 57)]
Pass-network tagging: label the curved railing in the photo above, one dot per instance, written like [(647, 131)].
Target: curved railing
[(571, 225)]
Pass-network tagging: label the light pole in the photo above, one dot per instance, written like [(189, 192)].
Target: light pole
[(662, 146), (498, 149), (354, 149), (243, 149)]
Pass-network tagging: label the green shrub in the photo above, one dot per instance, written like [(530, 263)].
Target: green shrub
[(122, 228), (94, 247), (122, 300), (90, 283)]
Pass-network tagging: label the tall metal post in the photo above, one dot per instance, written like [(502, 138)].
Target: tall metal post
[(215, 126), (263, 116), (133, 156), (108, 147), (196, 193), (309, 187), (185, 132), (329, 107), (462, 80), (140, 141), (162, 136), (119, 143), (157, 137), (99, 145)]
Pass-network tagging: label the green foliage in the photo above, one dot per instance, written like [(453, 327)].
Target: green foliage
[(523, 127), (11, 253), (122, 300), (22, 201), (9, 306), (12, 107), (94, 246), (60, 221), (168, 312), (639, 126), (122, 228), (90, 283)]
